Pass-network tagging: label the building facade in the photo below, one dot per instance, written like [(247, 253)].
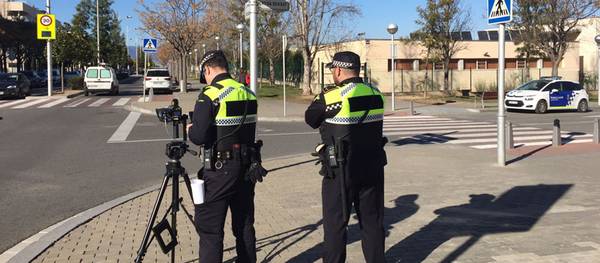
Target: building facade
[(473, 68)]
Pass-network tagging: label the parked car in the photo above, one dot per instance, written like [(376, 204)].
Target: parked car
[(14, 85), (548, 94), (34, 78), (100, 79), (159, 80), (55, 78)]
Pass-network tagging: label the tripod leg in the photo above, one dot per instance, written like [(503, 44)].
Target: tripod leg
[(174, 209), (143, 246), (188, 183)]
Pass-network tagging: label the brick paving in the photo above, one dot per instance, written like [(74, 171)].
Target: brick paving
[(443, 204)]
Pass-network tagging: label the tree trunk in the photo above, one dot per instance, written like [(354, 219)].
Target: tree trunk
[(447, 76), (271, 71), (307, 75), (183, 72), (555, 63)]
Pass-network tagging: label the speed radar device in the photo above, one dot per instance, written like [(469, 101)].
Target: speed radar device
[(46, 26)]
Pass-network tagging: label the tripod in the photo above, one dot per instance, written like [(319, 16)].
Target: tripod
[(175, 151)]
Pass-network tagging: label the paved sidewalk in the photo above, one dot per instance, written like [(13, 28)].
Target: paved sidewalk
[(443, 202)]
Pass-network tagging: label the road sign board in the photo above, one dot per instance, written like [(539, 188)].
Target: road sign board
[(499, 11), (268, 6), (276, 5), (150, 45), (46, 26)]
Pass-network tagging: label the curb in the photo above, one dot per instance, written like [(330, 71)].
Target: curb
[(30, 248), (265, 119), (70, 96)]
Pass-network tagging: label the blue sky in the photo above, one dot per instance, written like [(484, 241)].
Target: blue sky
[(376, 14)]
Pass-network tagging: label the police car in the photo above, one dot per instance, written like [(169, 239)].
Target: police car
[(548, 94)]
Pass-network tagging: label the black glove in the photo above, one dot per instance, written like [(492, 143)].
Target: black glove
[(200, 173), (256, 172)]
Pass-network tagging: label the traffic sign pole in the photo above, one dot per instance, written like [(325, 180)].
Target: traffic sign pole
[(501, 112), (49, 55), (252, 6)]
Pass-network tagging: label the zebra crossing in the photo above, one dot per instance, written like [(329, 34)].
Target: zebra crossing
[(474, 134), (46, 103)]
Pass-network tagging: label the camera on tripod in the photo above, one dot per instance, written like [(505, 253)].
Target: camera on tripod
[(172, 113)]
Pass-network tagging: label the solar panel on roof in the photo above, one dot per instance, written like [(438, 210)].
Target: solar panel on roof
[(483, 35), (455, 35), (466, 35), (493, 35)]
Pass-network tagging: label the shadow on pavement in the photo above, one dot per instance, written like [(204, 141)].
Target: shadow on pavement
[(405, 206), (517, 210), (425, 138)]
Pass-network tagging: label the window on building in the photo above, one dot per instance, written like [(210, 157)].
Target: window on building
[(481, 64)]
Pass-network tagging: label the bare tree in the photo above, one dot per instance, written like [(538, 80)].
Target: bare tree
[(178, 22), (441, 23), (551, 25), (315, 22)]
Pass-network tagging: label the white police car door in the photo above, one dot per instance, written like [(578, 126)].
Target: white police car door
[(559, 98), (575, 93)]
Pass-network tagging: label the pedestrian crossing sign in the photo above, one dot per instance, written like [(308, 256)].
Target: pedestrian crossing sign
[(150, 45), (499, 11)]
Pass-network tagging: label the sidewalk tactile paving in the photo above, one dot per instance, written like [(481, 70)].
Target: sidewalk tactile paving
[(288, 214)]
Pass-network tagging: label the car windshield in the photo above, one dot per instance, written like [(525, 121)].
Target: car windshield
[(8, 77), (158, 73), (533, 85)]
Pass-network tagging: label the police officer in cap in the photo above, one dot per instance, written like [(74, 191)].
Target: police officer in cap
[(350, 120), (224, 122)]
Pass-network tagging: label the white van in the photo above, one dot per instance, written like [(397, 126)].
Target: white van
[(101, 79)]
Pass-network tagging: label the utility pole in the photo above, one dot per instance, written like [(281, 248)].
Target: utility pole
[(253, 52), (98, 32), (284, 41), (49, 55)]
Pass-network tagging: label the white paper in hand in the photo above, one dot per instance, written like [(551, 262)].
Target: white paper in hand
[(198, 191)]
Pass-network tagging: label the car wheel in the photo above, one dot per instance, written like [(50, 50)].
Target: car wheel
[(542, 107), (583, 106)]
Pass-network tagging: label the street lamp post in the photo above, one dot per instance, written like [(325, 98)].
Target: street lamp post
[(49, 55), (98, 32), (127, 45), (217, 39), (597, 39), (240, 27), (392, 29), (284, 43), (195, 61)]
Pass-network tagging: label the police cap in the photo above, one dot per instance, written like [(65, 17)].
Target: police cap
[(345, 59)]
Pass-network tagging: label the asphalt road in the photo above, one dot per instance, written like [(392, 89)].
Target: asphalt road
[(56, 162)]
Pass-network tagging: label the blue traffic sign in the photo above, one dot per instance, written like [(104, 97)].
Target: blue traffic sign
[(499, 11), (150, 45)]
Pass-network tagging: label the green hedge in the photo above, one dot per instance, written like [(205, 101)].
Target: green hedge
[(75, 83)]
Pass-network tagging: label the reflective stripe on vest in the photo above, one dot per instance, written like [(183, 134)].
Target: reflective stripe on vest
[(353, 100), (233, 94)]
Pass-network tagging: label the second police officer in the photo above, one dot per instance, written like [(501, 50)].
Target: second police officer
[(350, 120), (224, 122)]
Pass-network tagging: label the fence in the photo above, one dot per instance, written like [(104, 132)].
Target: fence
[(472, 80)]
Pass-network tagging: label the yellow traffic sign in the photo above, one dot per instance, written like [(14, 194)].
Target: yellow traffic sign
[(46, 26)]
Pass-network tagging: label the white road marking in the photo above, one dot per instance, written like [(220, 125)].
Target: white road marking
[(121, 102), (456, 131), (409, 117), (31, 103), (287, 134), (524, 138), (8, 104), (435, 124), (439, 127), (125, 128), (77, 103), (98, 102), (54, 103), (422, 121), (138, 141), (493, 146)]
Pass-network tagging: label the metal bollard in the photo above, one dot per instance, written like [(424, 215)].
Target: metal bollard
[(597, 131), (151, 95), (556, 137), (510, 140), (411, 108)]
